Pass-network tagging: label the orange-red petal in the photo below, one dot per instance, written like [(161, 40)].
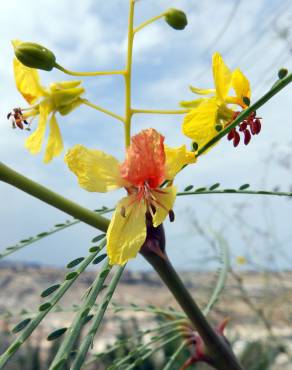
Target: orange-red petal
[(145, 159)]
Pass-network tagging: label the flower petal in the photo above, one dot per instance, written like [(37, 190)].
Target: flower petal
[(192, 103), (198, 91), (27, 82), (145, 160), (222, 76), (55, 142), (176, 158), (199, 123), (95, 170), (163, 203), (241, 86), (127, 232), (34, 142)]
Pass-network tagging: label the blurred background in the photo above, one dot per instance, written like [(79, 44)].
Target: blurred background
[(91, 35)]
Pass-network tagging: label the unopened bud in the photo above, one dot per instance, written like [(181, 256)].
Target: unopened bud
[(282, 73), (33, 55), (176, 19)]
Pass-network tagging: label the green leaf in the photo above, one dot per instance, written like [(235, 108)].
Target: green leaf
[(229, 191), (215, 186), (42, 234), (56, 334), (244, 186), (49, 290), (98, 238), (199, 190), (75, 262), (45, 306), (21, 325), (94, 249), (188, 188), (71, 275), (60, 225), (87, 319), (98, 259)]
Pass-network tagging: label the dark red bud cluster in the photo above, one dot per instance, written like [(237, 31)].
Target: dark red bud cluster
[(250, 126)]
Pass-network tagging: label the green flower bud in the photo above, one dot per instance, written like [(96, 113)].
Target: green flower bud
[(176, 19), (282, 73), (33, 55)]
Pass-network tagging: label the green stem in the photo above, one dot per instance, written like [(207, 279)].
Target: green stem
[(76, 326), (128, 75), (85, 74), (144, 24), (101, 109), (159, 111), (244, 114), (48, 196), (217, 349), (87, 341)]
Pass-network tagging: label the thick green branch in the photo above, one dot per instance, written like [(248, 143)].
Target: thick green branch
[(48, 196), (218, 350)]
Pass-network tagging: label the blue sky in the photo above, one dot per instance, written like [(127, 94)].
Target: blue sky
[(91, 35)]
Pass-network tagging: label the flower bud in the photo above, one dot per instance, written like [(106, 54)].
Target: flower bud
[(176, 19), (282, 73), (33, 55)]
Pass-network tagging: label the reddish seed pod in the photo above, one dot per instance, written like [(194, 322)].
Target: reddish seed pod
[(236, 139), (230, 135), (247, 137)]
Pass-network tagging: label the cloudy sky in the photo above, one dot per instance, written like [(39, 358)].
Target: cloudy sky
[(91, 35)]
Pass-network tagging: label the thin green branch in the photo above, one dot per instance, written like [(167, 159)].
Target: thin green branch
[(171, 362), (72, 333), (48, 196), (30, 240), (96, 321), (33, 324), (131, 340), (244, 114), (155, 349), (234, 191), (222, 278), (103, 110)]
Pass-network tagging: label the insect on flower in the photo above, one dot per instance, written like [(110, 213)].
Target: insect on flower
[(17, 119)]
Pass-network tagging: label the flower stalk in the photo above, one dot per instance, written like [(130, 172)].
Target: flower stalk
[(128, 75)]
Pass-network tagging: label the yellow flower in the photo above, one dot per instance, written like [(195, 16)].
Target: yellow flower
[(213, 112), (60, 97), (241, 260), (147, 165)]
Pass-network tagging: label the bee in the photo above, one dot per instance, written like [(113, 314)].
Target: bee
[(17, 119)]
